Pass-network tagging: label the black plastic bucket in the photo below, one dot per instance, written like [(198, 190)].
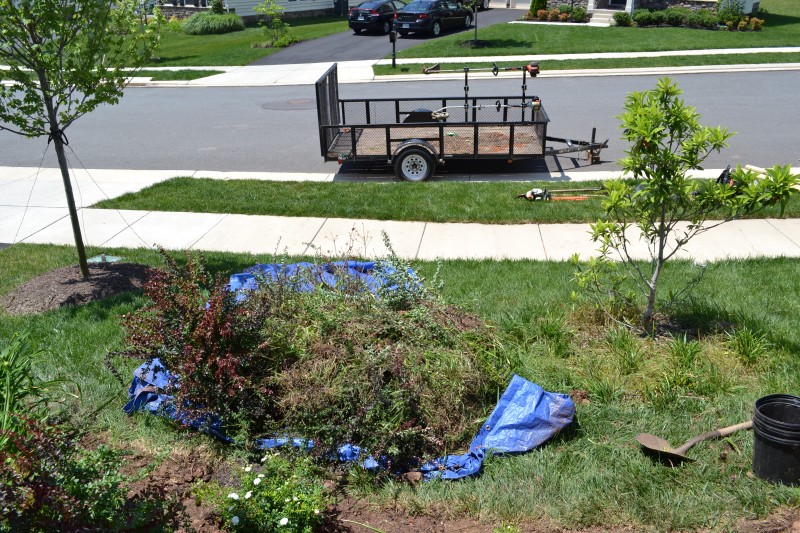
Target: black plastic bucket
[(776, 439)]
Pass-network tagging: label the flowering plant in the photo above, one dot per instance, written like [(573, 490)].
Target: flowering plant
[(279, 494)]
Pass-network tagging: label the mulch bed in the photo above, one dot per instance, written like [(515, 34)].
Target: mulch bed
[(66, 286)]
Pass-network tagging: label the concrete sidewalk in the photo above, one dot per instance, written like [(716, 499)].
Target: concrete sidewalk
[(361, 71), (33, 210)]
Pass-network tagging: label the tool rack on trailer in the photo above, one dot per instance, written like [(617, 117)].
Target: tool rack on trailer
[(416, 134)]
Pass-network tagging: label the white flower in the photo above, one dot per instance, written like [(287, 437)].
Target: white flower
[(287, 500), (284, 521), (294, 498), (235, 520), (261, 475), (316, 511), (248, 495), (263, 458), (248, 468), (233, 496), (256, 481)]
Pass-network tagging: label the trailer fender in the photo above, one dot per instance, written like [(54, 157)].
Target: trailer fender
[(418, 143), (414, 160)]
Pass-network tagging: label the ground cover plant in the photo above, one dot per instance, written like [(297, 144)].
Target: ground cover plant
[(741, 341), (491, 203)]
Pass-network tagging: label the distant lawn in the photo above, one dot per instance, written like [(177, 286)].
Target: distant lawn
[(580, 64), (488, 203), (170, 75), (180, 49), (781, 28)]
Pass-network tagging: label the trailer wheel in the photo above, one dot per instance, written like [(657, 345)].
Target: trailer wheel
[(414, 164)]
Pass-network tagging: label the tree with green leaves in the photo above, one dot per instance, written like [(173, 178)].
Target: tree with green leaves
[(65, 58), (662, 205)]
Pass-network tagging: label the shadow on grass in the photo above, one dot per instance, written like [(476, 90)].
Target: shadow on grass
[(773, 20)]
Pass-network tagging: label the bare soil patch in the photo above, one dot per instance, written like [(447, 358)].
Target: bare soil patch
[(66, 286)]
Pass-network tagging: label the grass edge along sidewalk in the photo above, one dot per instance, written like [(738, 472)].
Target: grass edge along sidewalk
[(482, 202)]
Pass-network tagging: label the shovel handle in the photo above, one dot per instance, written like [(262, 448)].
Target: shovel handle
[(724, 432)]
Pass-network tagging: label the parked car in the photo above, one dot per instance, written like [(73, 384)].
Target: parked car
[(432, 16), (483, 4), (375, 15)]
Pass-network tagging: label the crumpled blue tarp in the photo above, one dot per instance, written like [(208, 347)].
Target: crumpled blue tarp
[(525, 417), (306, 276)]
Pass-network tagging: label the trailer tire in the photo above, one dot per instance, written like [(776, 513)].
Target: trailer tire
[(414, 164)]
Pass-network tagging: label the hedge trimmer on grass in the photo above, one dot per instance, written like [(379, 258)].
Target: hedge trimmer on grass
[(561, 194)]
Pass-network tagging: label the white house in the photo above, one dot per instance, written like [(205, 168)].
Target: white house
[(244, 8)]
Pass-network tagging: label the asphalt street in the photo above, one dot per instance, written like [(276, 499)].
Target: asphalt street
[(275, 128), (347, 46)]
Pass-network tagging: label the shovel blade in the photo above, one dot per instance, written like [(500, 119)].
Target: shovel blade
[(660, 449)]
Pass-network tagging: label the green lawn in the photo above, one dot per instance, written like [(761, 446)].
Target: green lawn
[(593, 475), (237, 48), (781, 28), (171, 75), (493, 203), (637, 62)]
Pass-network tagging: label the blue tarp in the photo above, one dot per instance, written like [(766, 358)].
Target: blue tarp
[(307, 276), (526, 416)]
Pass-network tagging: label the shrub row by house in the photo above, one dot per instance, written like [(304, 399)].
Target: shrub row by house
[(684, 17), (562, 13)]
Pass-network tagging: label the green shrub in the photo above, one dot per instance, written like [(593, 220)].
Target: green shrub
[(564, 8), (702, 18), (676, 16), (402, 375), (276, 29), (537, 5), (730, 11), (49, 483), (645, 17), (212, 24), (579, 14), (218, 7), (623, 18)]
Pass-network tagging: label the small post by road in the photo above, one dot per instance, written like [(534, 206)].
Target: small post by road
[(393, 39)]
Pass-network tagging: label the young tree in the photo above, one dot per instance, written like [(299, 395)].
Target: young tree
[(65, 58), (662, 205)]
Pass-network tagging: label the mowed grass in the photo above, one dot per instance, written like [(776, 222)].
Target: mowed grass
[(634, 62), (174, 75), (592, 475), (237, 48), (781, 28), (482, 202)]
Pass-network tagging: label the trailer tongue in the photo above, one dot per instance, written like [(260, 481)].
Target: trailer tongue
[(416, 134)]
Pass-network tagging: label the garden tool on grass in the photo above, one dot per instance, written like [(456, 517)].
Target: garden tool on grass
[(661, 450), (547, 195)]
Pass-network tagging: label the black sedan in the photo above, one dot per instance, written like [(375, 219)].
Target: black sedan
[(376, 15), (432, 16)]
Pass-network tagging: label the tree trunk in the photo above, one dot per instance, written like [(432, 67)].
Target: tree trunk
[(73, 212)]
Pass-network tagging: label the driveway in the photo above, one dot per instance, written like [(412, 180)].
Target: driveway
[(347, 46)]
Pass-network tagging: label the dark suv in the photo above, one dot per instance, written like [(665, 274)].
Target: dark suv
[(375, 15), (432, 16)]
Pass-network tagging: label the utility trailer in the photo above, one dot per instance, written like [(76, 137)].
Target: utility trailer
[(415, 134)]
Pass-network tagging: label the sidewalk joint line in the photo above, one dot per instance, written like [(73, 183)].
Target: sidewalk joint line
[(224, 216)]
